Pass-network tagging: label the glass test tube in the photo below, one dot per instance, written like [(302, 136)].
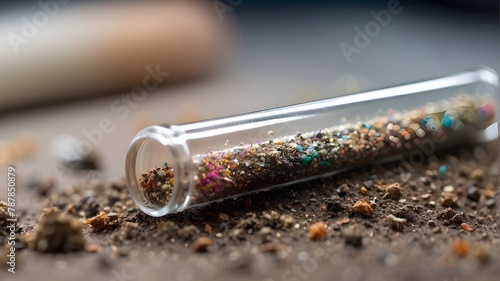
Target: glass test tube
[(173, 167)]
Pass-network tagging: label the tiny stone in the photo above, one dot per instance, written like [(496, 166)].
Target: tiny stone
[(488, 193), (460, 248), (466, 227), (317, 231), (425, 196), (100, 222), (449, 189), (490, 203), (368, 184), (364, 208), (343, 189), (395, 222), (477, 175), (393, 191), (431, 223), (353, 236), (94, 248), (473, 193), (223, 217), (201, 244), (449, 200), (363, 190)]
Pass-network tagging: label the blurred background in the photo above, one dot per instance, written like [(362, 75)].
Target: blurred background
[(78, 79)]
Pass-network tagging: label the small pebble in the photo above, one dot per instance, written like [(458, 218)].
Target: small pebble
[(317, 231), (393, 191), (368, 184), (353, 236), (460, 248), (448, 188), (363, 208), (395, 222), (449, 200), (465, 227), (477, 174), (94, 248), (201, 244), (488, 193), (223, 217), (490, 203), (343, 189), (473, 193), (425, 196)]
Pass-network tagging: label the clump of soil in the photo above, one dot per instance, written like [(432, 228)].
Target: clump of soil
[(57, 233)]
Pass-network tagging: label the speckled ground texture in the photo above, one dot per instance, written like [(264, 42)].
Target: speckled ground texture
[(265, 236)]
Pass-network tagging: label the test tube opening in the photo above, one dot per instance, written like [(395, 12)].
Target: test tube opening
[(162, 189)]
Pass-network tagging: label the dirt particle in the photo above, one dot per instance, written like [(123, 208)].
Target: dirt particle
[(286, 221), (473, 193), (395, 222), (481, 252), (343, 189), (449, 189), (271, 219), (343, 221), (449, 200), (392, 191), (363, 190), (188, 232), (223, 217), (477, 174), (353, 236), (488, 193), (490, 203), (460, 248), (208, 228), (465, 227), (57, 233), (363, 208), (99, 222), (201, 244), (368, 184), (425, 196), (165, 230), (317, 231), (94, 248), (447, 214)]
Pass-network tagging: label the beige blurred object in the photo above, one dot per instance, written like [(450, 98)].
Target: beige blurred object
[(90, 49), (24, 145)]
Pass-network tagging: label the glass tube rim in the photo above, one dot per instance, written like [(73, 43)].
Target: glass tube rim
[(171, 139)]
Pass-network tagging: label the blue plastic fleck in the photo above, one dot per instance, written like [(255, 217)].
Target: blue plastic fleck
[(261, 164), (305, 161), (298, 148), (165, 164), (324, 163), (366, 125), (442, 169), (446, 122)]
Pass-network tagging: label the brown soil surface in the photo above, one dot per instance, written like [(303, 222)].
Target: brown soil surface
[(444, 226)]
